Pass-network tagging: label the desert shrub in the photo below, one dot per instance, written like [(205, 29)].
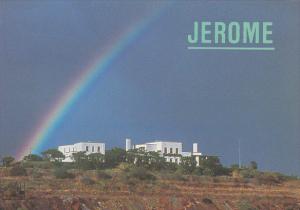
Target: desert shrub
[(10, 189), (141, 174), (35, 173), (248, 173), (198, 171), (17, 170), (270, 178), (131, 183), (245, 205), (87, 180), (7, 161), (207, 201), (253, 165), (66, 165), (103, 175), (174, 176), (62, 173), (38, 164), (208, 172)]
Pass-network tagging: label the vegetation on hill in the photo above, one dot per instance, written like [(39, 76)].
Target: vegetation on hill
[(139, 162), (141, 180)]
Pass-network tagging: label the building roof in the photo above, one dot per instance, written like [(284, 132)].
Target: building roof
[(160, 141)]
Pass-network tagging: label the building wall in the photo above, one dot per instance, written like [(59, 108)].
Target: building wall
[(87, 147), (164, 148), (171, 147)]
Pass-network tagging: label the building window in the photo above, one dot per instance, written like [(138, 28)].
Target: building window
[(171, 150), (87, 148), (64, 150), (171, 160), (165, 150), (176, 150), (98, 149), (176, 160), (92, 148)]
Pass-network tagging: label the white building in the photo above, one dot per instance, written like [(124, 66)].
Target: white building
[(171, 150), (87, 147)]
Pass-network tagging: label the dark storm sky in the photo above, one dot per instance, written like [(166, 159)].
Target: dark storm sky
[(156, 88)]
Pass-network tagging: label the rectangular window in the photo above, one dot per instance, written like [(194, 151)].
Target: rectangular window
[(176, 160), (87, 148), (171, 150), (165, 150), (171, 160), (98, 149), (93, 149), (176, 150)]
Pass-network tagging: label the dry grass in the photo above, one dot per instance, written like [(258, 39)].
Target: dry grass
[(193, 192)]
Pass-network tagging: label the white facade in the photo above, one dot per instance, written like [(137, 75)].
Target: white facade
[(196, 153), (128, 144), (87, 147), (168, 149)]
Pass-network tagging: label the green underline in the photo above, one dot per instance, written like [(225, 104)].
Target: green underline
[(231, 48)]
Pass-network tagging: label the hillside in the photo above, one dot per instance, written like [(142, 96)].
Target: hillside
[(125, 188)]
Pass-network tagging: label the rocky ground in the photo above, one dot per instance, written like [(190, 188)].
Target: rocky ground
[(86, 191)]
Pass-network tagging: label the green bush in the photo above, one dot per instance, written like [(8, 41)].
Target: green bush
[(141, 174), (270, 178), (33, 157), (87, 180), (17, 170), (248, 173), (62, 173), (208, 172), (38, 164), (103, 175), (207, 201)]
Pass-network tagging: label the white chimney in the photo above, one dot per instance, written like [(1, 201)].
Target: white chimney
[(128, 144), (195, 147)]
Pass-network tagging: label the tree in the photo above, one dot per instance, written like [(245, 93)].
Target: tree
[(156, 161), (114, 157), (53, 155), (33, 157), (7, 160), (82, 161), (149, 160), (253, 165), (97, 160), (188, 164), (211, 166)]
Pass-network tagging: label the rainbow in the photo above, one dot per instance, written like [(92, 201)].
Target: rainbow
[(87, 77)]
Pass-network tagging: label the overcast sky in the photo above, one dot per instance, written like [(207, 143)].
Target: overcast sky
[(156, 88)]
